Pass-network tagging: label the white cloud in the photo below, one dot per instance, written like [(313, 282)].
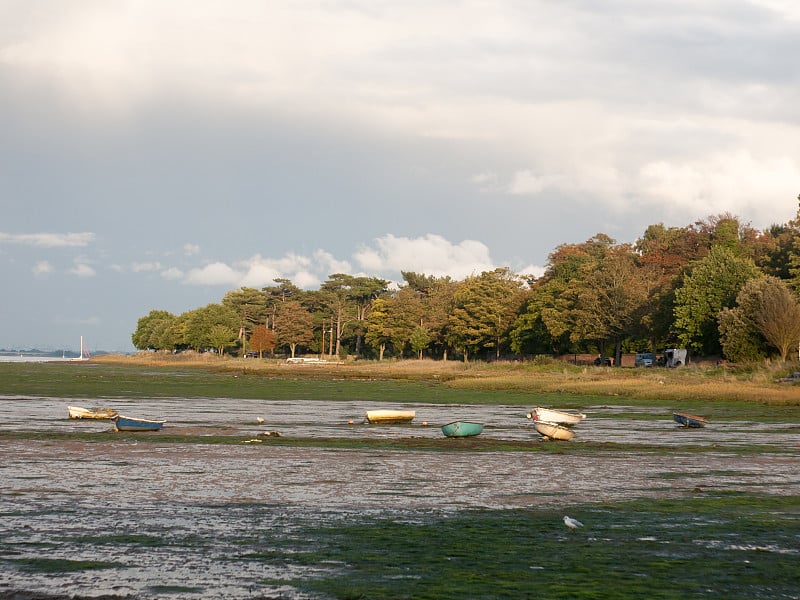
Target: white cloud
[(329, 265), (173, 273), (534, 270), (430, 254), (191, 249), (526, 182), (48, 240), (42, 267), (146, 266), (81, 269), (214, 274), (734, 182)]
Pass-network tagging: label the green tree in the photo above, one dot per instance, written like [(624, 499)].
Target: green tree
[(378, 333), (432, 302), (484, 309), (767, 314), (610, 299), (152, 331), (294, 326), (221, 336), (198, 324), (419, 340), (712, 284)]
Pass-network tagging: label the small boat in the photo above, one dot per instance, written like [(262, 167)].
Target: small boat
[(390, 416), (131, 424), (687, 420), (78, 412), (462, 429), (553, 431), (560, 417)]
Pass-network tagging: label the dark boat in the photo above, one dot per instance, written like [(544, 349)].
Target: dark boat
[(687, 420)]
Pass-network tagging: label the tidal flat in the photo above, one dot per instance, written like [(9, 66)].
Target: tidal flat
[(327, 506)]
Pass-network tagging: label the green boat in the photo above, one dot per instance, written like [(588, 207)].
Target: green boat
[(462, 429)]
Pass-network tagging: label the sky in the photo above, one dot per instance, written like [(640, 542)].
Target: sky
[(156, 155)]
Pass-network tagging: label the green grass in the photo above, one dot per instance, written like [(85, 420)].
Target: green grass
[(60, 565), (726, 546), (88, 380)]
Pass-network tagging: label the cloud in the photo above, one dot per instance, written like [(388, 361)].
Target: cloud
[(386, 258), (430, 254), (216, 273), (329, 264), (734, 182), (526, 182), (48, 240), (42, 267), (191, 249), (145, 266), (173, 273), (81, 269)]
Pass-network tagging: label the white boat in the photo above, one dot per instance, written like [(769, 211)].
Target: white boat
[(390, 416), (553, 431), (78, 412), (560, 417), (83, 353)]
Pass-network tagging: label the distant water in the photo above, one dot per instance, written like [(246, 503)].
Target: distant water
[(31, 358)]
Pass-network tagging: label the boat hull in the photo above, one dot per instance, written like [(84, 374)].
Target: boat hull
[(122, 423), (462, 429), (553, 431), (560, 417), (78, 412), (686, 420), (386, 417)]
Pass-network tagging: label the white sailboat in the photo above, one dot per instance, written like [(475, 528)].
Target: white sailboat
[(84, 352)]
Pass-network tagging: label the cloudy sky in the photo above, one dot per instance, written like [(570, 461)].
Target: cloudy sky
[(154, 155)]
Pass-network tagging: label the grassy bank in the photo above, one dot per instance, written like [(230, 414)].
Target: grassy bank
[(451, 381)]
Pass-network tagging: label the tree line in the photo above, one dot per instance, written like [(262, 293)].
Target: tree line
[(718, 287)]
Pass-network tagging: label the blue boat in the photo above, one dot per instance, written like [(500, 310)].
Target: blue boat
[(686, 420), (462, 429), (122, 423)]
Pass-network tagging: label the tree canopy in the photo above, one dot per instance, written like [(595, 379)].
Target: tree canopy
[(716, 286)]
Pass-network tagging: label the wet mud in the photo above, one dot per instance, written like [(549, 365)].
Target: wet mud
[(129, 517)]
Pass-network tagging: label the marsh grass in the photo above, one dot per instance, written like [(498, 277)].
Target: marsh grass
[(726, 546), (705, 382), (60, 565), (150, 375)]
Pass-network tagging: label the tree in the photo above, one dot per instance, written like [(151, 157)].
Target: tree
[(198, 325), (779, 317), (262, 340), (419, 340), (350, 299), (220, 336), (610, 299), (484, 310), (152, 330), (432, 299), (250, 304), (378, 333), (712, 285), (767, 314), (294, 325)]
